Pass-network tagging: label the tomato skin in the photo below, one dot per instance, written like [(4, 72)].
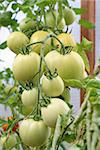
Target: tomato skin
[(52, 87), (37, 132), (67, 40), (69, 66), (40, 36), (26, 110), (69, 16), (5, 127), (27, 24), (26, 66), (30, 97), (16, 41), (10, 141), (53, 110), (52, 18), (74, 147)]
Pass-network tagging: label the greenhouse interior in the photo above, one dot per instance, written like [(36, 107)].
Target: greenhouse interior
[(49, 75)]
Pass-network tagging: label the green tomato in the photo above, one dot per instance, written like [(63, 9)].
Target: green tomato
[(9, 142), (66, 94), (33, 133), (27, 24), (69, 16), (9, 89), (66, 39), (52, 20), (26, 66), (5, 18), (39, 36), (26, 110), (69, 66), (30, 97), (17, 41), (74, 147), (52, 87), (53, 110)]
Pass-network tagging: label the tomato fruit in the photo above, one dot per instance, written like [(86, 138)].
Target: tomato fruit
[(17, 41), (39, 36), (26, 66), (5, 18), (53, 110), (74, 147), (30, 97), (26, 110), (52, 87), (9, 142), (66, 94), (52, 19), (69, 16), (69, 66), (37, 132), (66, 39), (27, 24)]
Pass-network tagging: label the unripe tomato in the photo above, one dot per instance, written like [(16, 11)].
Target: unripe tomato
[(10, 141), (5, 18), (74, 147), (52, 87), (30, 97), (69, 66), (66, 39), (37, 132), (66, 94), (53, 110), (26, 110), (27, 24), (69, 16), (52, 20), (26, 66), (17, 41), (39, 36), (85, 75)]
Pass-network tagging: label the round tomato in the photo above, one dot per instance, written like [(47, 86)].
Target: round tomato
[(53, 110), (37, 132), (69, 66), (26, 66), (30, 97), (66, 94), (85, 75), (39, 36), (26, 110), (17, 41), (27, 24), (52, 19), (9, 141), (66, 39), (69, 16), (52, 87)]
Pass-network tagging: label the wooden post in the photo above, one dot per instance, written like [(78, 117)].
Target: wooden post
[(89, 5)]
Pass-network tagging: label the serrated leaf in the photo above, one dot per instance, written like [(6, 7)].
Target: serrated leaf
[(73, 83), (79, 11), (3, 45), (86, 24), (85, 59), (94, 83)]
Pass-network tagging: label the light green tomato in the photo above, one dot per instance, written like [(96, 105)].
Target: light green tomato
[(52, 87), (8, 142), (67, 40), (66, 94), (26, 110), (30, 97), (27, 24), (74, 147), (52, 20), (39, 36), (69, 66), (17, 41), (69, 16), (53, 110), (33, 133), (26, 66)]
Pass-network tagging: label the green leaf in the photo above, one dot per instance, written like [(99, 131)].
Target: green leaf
[(2, 122), (93, 83), (14, 6), (79, 11), (73, 83), (3, 45), (86, 24), (85, 59), (86, 44)]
